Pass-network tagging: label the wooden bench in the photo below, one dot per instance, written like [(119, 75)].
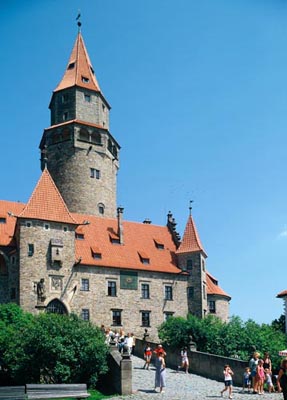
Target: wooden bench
[(12, 392), (56, 391)]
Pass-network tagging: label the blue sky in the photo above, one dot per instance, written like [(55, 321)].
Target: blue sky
[(199, 95)]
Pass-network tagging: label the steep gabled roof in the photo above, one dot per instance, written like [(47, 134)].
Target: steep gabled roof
[(7, 228), (79, 71), (213, 288), (190, 241), (46, 202), (139, 239)]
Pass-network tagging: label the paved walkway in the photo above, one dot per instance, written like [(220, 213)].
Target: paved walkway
[(181, 386)]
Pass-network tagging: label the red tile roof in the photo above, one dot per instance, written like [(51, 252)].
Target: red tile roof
[(213, 288), (46, 202), (190, 241), (139, 238), (79, 71), (7, 229), (282, 294)]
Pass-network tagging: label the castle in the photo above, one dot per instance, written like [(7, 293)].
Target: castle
[(69, 248)]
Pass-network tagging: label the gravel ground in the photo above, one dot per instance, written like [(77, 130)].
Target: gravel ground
[(181, 386)]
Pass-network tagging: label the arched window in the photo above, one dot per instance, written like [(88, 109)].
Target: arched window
[(96, 138), (3, 266), (65, 134), (56, 307), (84, 135), (101, 208)]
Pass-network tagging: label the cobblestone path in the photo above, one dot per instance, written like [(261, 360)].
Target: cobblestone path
[(181, 386)]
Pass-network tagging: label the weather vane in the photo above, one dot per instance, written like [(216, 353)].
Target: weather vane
[(190, 208), (79, 20)]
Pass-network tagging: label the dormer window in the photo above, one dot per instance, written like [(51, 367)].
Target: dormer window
[(96, 253), (2, 220), (114, 238), (158, 244), (92, 70), (71, 65), (85, 79), (144, 258), (79, 236)]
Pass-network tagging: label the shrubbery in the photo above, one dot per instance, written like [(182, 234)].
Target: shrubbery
[(49, 348), (233, 339)]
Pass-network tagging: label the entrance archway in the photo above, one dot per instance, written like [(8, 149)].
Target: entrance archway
[(56, 307)]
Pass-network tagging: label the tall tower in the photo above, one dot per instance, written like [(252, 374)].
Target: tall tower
[(192, 258), (79, 151)]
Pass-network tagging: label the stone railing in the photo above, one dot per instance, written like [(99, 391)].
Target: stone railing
[(203, 364), (120, 371)]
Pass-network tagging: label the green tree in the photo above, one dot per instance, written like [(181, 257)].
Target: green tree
[(51, 348)]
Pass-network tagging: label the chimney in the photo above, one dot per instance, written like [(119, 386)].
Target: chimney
[(120, 211)]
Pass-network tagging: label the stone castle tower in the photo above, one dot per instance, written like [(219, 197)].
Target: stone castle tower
[(78, 150)]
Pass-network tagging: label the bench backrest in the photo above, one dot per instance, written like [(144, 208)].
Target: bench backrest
[(12, 392), (57, 391)]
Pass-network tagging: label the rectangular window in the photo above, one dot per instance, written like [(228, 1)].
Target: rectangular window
[(145, 318), (85, 285), (116, 317), (65, 116), (112, 288), (145, 291), (203, 265), (13, 293), (168, 315), (212, 308), (65, 98), (189, 265), (95, 173), (2, 220), (190, 292), (85, 314), (204, 291), (30, 250), (168, 292), (87, 98)]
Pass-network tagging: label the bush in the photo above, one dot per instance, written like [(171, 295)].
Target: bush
[(233, 339), (50, 348)]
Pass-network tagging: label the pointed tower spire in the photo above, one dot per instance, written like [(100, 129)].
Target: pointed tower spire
[(79, 71), (190, 241)]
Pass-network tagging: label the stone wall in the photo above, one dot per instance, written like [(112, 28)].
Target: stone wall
[(203, 364)]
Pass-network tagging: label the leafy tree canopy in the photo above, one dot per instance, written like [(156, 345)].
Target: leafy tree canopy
[(49, 348), (233, 339)]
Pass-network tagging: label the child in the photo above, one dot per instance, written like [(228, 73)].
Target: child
[(147, 356), (247, 379), (228, 373), (268, 379), (184, 360), (260, 377)]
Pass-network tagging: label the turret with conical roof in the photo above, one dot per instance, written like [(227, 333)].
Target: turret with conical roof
[(81, 154), (192, 258)]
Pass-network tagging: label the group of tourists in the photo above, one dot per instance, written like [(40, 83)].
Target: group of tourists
[(258, 373), (124, 341)]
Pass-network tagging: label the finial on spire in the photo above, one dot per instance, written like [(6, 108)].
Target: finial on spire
[(79, 20), (190, 208)]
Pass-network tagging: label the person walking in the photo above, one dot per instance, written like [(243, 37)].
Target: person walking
[(282, 378), (184, 360), (228, 383), (160, 371)]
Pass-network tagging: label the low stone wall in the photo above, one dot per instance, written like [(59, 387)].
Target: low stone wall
[(120, 372), (203, 364)]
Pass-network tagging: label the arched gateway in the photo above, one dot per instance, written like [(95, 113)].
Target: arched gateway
[(56, 307)]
